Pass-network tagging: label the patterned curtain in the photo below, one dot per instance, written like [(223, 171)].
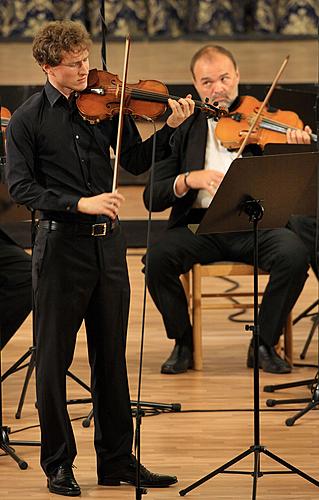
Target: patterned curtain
[(287, 17), (23, 18), (165, 18)]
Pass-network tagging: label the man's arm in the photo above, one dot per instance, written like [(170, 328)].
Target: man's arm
[(20, 171), (136, 155)]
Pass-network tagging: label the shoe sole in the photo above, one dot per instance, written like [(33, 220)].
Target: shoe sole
[(68, 494), (117, 482), (169, 371)]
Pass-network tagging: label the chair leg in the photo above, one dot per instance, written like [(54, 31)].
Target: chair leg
[(288, 345), (197, 318)]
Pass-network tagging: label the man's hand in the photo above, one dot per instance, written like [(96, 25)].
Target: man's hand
[(199, 179), (181, 110), (299, 136), (101, 204)]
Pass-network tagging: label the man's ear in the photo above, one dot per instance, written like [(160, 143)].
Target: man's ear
[(47, 69)]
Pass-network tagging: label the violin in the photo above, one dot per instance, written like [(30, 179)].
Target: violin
[(4, 119), (271, 126), (101, 99), (5, 116)]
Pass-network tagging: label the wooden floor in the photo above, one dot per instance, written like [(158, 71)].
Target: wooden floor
[(215, 424)]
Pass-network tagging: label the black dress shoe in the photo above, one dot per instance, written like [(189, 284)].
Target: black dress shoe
[(127, 474), (269, 360), (62, 482), (179, 361)]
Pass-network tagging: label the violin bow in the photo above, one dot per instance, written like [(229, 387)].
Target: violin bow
[(121, 114), (264, 103)]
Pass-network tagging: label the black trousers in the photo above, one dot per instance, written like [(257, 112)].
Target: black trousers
[(281, 253), (305, 227), (15, 287), (79, 278)]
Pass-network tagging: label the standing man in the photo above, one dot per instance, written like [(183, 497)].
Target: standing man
[(59, 164), (187, 182)]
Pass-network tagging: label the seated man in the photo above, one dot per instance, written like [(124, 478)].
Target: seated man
[(15, 287), (187, 182)]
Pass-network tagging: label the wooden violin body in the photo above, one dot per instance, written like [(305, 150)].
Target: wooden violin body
[(270, 127), (147, 98), (5, 116), (101, 100)]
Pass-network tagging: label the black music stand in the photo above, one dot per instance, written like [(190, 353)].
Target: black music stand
[(252, 192), (17, 213)]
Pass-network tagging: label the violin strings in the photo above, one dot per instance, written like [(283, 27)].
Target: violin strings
[(268, 121), (155, 95)]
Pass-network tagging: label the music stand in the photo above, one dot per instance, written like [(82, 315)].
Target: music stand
[(253, 187), (16, 213)]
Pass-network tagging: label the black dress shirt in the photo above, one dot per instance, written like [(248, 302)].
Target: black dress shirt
[(54, 157)]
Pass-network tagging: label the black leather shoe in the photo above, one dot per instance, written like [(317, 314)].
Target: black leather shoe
[(127, 474), (269, 360), (179, 361), (62, 482)]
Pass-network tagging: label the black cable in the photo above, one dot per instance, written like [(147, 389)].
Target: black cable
[(103, 33), (155, 412)]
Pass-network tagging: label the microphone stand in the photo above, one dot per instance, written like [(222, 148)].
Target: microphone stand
[(139, 412)]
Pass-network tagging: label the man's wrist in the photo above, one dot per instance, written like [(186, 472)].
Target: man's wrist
[(186, 174)]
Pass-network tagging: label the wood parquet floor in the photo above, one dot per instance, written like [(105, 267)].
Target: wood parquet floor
[(215, 424)]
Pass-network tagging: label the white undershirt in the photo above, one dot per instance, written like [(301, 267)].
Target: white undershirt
[(216, 158)]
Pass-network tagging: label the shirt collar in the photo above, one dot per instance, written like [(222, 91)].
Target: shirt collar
[(52, 93)]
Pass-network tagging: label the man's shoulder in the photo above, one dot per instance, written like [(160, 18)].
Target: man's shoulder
[(29, 108)]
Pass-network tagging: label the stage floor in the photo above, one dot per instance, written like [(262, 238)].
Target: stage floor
[(215, 424)]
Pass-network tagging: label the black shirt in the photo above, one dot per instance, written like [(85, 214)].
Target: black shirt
[(54, 157)]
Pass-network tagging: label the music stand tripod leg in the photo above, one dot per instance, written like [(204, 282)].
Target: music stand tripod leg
[(312, 404), (29, 372), (5, 443)]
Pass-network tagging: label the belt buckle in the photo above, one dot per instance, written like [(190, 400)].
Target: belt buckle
[(99, 229)]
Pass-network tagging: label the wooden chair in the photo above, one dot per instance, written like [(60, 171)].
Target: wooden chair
[(198, 302)]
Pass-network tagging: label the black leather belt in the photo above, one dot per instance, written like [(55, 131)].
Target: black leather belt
[(80, 229)]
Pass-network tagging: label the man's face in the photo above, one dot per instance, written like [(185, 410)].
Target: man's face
[(216, 77), (72, 72)]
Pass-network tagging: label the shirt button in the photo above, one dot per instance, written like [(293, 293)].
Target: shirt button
[(89, 184), (68, 208), (82, 161), (77, 136)]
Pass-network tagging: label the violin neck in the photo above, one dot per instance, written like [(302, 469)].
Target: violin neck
[(162, 98), (269, 124), (4, 122)]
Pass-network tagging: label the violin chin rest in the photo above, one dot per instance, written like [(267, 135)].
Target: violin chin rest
[(93, 77)]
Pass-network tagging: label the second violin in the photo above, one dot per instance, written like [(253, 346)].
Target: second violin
[(271, 126)]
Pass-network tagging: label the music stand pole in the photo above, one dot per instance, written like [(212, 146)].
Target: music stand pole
[(263, 176)]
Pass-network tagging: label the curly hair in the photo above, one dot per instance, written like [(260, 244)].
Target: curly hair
[(57, 37)]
